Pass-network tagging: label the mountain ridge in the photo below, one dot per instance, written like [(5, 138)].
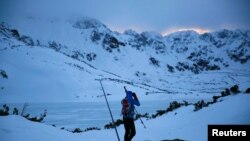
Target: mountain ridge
[(147, 62), (180, 42)]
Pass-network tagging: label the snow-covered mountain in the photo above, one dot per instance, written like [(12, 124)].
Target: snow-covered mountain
[(60, 60)]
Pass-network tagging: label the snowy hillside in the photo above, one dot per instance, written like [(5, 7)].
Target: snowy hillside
[(66, 56), (193, 127)]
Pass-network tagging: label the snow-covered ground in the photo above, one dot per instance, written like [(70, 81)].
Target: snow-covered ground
[(182, 123), (42, 75)]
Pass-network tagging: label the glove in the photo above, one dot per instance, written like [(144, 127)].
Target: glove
[(134, 95)]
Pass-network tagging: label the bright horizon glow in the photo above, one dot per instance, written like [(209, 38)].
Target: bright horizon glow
[(196, 29)]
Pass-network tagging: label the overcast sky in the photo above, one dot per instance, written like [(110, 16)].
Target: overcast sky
[(141, 15)]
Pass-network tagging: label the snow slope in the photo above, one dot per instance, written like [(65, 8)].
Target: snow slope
[(182, 123)]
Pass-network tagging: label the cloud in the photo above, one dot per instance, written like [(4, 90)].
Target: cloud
[(141, 15), (196, 29)]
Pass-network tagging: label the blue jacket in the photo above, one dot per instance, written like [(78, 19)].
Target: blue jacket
[(133, 102)]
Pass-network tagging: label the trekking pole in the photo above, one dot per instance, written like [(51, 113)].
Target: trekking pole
[(109, 110), (125, 89), (136, 111), (140, 119)]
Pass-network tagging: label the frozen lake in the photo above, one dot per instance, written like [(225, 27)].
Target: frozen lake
[(83, 115)]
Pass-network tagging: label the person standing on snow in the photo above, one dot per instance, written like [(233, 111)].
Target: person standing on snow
[(128, 111)]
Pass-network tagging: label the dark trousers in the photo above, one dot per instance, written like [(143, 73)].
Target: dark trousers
[(129, 126)]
